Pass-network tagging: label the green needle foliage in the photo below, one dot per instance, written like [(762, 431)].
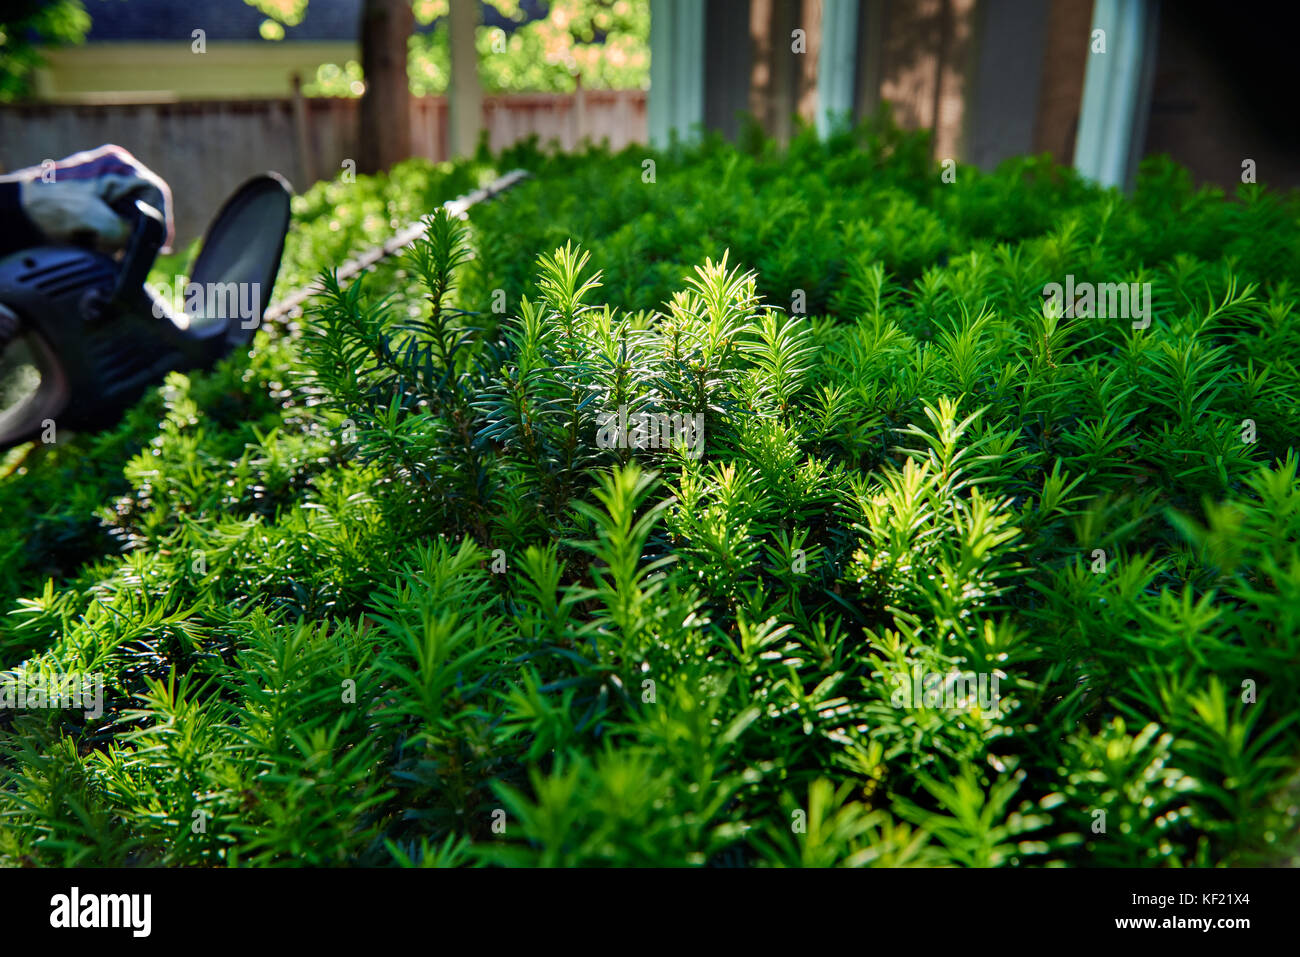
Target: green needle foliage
[(760, 514)]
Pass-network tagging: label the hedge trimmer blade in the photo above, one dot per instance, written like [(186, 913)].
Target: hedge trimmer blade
[(399, 241)]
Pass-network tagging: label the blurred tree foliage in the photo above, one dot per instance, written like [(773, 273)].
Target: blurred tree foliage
[(27, 25), (606, 43)]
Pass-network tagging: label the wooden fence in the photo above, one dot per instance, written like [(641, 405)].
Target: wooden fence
[(206, 148)]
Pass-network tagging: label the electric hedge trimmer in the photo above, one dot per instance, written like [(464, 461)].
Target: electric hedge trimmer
[(82, 336)]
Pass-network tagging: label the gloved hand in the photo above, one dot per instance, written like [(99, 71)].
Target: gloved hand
[(72, 201)]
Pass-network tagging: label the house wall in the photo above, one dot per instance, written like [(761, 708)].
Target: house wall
[(1224, 92), (728, 63), (782, 82), (163, 69), (1003, 106), (1065, 60), (920, 55)]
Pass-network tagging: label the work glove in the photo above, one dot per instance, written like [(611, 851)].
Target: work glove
[(72, 200)]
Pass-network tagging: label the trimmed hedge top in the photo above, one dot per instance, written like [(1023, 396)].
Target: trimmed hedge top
[(703, 506)]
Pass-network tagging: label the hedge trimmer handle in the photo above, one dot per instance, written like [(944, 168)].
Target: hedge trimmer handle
[(148, 232)]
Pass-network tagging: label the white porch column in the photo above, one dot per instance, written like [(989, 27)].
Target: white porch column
[(676, 98), (836, 62), (1112, 111), (465, 96)]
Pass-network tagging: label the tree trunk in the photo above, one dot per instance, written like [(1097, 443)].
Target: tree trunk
[(385, 127)]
